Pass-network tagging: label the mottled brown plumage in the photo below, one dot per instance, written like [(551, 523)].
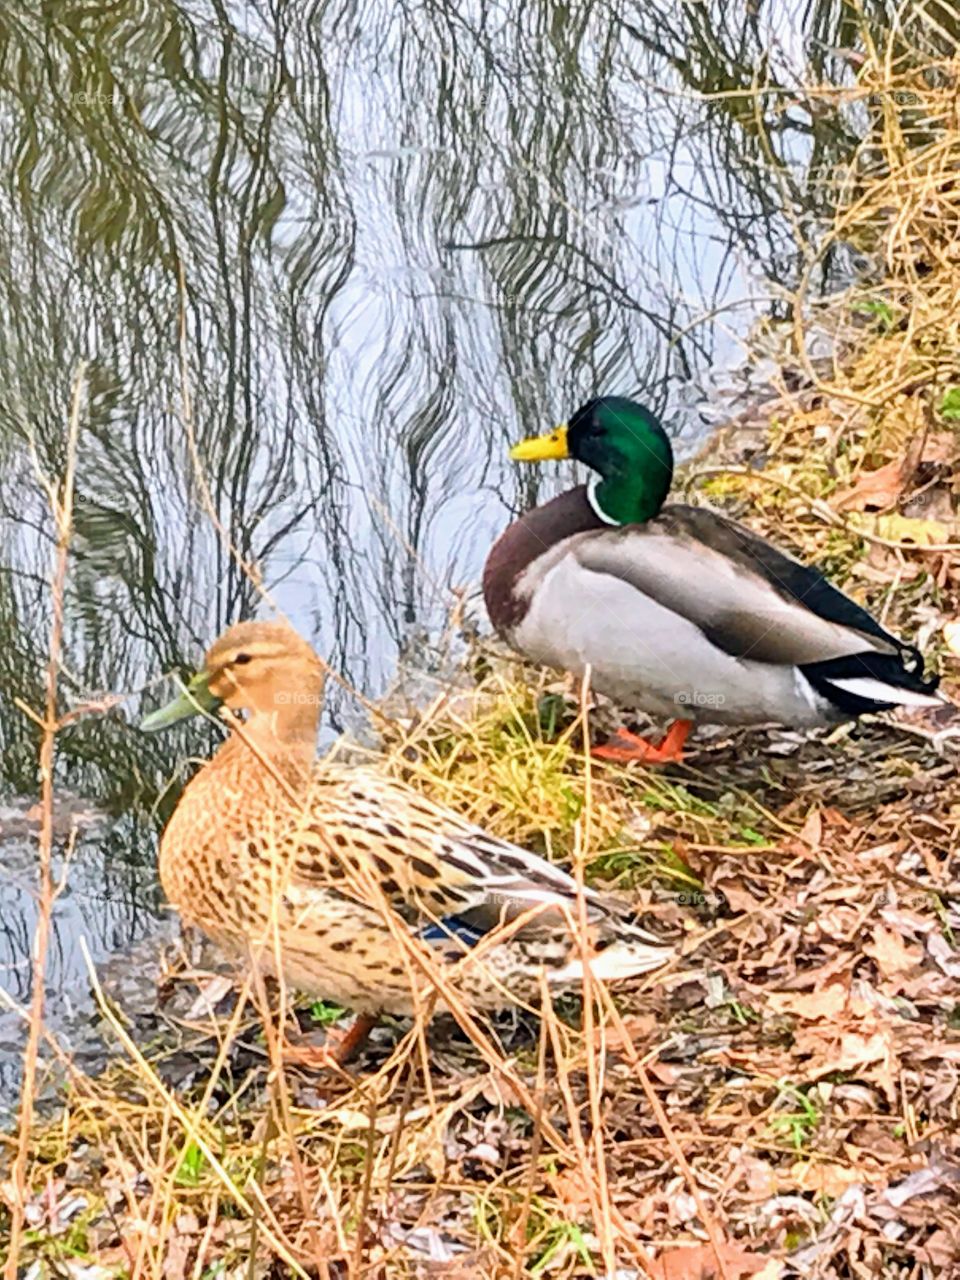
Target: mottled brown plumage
[(351, 883)]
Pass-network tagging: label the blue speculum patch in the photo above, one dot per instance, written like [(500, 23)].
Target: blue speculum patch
[(452, 927)]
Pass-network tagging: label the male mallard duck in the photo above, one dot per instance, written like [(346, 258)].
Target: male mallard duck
[(339, 876), (677, 610)]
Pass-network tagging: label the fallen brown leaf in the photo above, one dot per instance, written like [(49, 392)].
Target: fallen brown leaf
[(940, 446), (811, 833), (738, 896), (699, 1262), (570, 1188), (636, 1030), (817, 1006), (891, 952), (897, 528), (824, 1178), (855, 1055), (179, 1247), (877, 490)]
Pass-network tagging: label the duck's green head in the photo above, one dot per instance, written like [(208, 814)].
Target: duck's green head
[(627, 447)]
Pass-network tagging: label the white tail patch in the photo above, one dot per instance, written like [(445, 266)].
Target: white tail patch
[(868, 687), (619, 960)]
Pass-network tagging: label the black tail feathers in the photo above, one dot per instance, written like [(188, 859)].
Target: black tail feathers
[(900, 671)]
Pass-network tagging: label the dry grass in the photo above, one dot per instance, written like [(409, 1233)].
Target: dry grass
[(789, 1089)]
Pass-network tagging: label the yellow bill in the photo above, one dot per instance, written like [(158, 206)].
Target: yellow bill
[(542, 448)]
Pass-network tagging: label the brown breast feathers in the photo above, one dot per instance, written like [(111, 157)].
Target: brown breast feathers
[(520, 544)]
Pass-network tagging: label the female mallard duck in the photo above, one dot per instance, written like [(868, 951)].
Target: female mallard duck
[(340, 877), (677, 610)]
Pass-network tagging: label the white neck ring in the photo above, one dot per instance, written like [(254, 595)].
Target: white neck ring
[(594, 501)]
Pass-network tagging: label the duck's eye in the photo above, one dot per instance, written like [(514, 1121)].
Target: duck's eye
[(242, 659)]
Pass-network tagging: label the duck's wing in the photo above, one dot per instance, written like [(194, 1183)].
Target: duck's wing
[(437, 869), (749, 599)]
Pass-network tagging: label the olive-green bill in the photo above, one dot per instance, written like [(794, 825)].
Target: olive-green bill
[(194, 699)]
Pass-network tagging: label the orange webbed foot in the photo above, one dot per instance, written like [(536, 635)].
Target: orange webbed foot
[(339, 1047), (626, 746)]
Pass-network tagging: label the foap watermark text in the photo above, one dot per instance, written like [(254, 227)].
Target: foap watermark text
[(699, 698)]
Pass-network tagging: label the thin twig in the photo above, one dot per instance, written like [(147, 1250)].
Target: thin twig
[(62, 506)]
